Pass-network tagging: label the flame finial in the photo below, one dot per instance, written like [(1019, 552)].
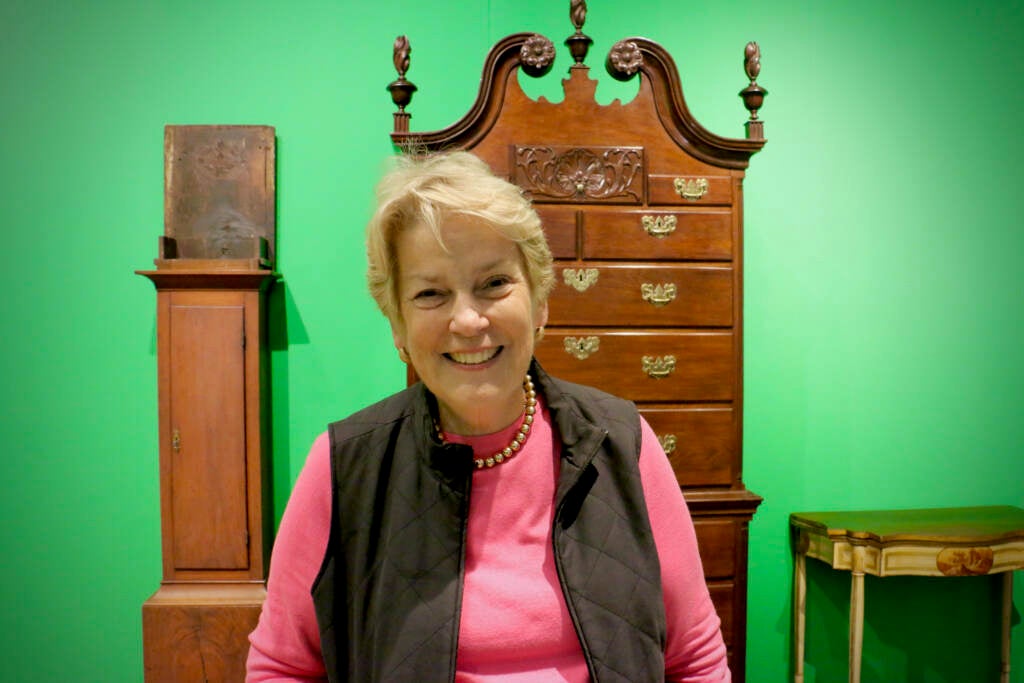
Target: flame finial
[(753, 94), (578, 43), (578, 13), (401, 90)]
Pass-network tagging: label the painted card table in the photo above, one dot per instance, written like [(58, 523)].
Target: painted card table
[(968, 541)]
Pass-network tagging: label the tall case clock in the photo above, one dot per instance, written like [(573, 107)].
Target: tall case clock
[(212, 275)]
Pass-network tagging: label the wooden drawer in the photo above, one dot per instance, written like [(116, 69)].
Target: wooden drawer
[(577, 174), (704, 189), (723, 594), (657, 234), (636, 364), (717, 539), (648, 295), (700, 442), (559, 224)]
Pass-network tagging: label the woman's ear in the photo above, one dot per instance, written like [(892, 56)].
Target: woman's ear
[(398, 337), (541, 319), (397, 334)]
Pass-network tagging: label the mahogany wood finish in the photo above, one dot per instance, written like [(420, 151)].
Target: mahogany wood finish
[(643, 209), (211, 281), (214, 478), (194, 632)]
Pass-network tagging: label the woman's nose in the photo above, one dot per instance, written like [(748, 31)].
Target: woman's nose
[(468, 319)]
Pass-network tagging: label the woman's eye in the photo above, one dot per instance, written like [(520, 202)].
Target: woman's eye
[(427, 296), (496, 282)]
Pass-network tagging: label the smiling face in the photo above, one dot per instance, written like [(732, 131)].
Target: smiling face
[(467, 321)]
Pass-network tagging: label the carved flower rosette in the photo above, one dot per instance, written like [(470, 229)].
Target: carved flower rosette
[(624, 60), (537, 55)]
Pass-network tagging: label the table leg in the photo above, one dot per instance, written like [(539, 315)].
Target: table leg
[(856, 613), (799, 614), (1004, 676)]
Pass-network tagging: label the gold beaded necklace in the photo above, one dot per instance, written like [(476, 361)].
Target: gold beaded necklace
[(510, 450)]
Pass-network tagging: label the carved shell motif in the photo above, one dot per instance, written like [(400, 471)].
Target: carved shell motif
[(580, 174)]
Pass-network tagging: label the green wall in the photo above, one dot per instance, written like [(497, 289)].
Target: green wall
[(883, 296)]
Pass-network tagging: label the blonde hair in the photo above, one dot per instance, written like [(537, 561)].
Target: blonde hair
[(427, 190)]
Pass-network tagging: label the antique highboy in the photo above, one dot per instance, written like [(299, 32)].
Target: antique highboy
[(643, 209)]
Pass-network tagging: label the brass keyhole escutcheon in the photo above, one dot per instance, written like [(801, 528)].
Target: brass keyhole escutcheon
[(581, 348), (580, 279)]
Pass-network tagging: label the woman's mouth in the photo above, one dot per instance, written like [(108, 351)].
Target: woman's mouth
[(474, 357)]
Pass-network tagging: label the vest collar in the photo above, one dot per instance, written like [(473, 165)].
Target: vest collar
[(581, 438), (452, 462)]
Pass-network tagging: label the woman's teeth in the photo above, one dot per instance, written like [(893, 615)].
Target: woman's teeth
[(474, 358)]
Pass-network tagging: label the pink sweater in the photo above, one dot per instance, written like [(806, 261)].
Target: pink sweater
[(514, 624)]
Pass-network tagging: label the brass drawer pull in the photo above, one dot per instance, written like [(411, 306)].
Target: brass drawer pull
[(176, 441), (658, 367), (691, 189), (658, 295), (659, 226), (581, 348), (581, 279), (668, 443)]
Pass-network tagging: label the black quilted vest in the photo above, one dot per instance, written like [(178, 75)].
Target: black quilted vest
[(389, 591)]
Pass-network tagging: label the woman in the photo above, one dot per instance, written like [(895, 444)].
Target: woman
[(490, 522)]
